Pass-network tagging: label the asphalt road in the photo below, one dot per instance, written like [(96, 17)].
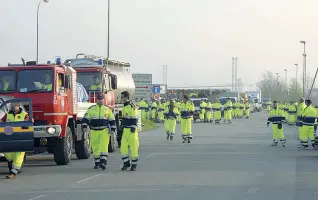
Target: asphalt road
[(223, 162)]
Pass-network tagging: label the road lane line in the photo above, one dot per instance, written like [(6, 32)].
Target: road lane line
[(38, 197), (86, 179)]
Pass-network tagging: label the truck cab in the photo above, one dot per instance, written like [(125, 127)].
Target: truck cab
[(53, 91)]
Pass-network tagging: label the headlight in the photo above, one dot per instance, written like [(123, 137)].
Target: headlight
[(50, 130)]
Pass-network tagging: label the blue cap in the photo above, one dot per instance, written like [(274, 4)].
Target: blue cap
[(48, 62), (58, 61), (100, 61)]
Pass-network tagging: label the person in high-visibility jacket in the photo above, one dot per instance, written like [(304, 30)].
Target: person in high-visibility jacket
[(101, 122), (47, 83), (268, 105), (240, 109), (217, 115), (300, 110), (143, 107), (161, 109), (309, 116), (4, 85), (208, 110), (202, 110), (97, 83), (247, 109), (235, 109), (187, 110), (228, 111), (276, 117), (292, 111), (154, 107), (178, 105), (130, 139), (171, 114), (15, 159)]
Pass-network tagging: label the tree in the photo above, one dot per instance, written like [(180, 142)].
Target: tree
[(274, 88)]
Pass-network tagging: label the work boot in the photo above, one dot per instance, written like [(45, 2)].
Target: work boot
[(133, 168), (189, 140), (11, 176), (125, 166), (103, 164), (171, 137), (274, 144), (184, 140), (168, 135), (97, 165)]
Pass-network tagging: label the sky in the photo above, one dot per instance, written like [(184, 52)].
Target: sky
[(195, 39)]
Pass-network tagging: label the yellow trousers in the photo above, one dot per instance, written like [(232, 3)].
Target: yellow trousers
[(186, 127), (17, 160), (277, 133), (129, 141), (305, 132), (100, 141), (228, 115), (170, 125), (217, 115)]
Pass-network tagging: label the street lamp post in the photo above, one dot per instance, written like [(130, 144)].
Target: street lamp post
[(108, 25), (285, 79), (304, 67), (37, 30), (296, 76)]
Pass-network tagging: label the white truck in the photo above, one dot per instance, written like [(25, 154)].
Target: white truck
[(254, 98)]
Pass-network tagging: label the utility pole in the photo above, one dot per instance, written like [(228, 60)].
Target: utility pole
[(304, 68), (296, 76), (37, 30), (285, 79), (108, 25), (234, 73)]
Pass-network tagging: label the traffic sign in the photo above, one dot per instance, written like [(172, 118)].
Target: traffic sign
[(156, 89)]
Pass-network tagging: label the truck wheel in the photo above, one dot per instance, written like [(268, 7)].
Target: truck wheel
[(112, 142), (63, 149), (83, 147)]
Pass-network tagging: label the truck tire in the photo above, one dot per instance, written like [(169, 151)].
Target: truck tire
[(112, 143), (63, 149), (83, 147)]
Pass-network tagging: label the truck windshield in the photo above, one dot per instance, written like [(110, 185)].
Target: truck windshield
[(35, 80), (7, 81), (196, 103), (222, 100), (92, 81)]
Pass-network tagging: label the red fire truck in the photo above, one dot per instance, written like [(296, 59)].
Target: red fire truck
[(112, 76), (53, 91)]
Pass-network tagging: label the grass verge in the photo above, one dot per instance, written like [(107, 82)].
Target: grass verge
[(148, 125)]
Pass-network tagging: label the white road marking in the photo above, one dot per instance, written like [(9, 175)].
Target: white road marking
[(38, 197), (208, 153), (86, 179), (97, 190)]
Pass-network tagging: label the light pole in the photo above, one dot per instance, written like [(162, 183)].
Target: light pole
[(285, 79), (37, 30), (304, 67), (108, 23), (296, 76), (277, 78), (270, 86)]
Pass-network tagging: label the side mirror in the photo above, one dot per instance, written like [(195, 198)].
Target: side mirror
[(114, 82)]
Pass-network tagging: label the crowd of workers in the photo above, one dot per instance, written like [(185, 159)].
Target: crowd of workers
[(176, 111), (302, 114)]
